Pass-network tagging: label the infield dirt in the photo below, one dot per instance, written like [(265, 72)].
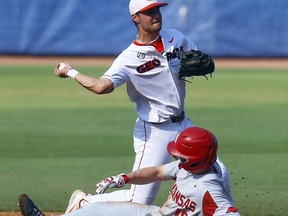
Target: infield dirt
[(277, 63)]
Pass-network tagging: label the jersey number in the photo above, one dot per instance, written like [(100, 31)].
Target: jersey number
[(180, 212)]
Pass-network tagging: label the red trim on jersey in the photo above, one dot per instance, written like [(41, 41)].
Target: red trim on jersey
[(209, 206), (158, 44), (232, 209)]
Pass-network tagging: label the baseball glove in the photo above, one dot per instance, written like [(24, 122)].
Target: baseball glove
[(195, 63)]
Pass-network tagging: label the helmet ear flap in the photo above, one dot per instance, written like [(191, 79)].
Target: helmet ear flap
[(194, 164), (198, 146)]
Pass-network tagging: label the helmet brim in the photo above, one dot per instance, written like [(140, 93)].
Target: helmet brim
[(172, 149), (152, 6)]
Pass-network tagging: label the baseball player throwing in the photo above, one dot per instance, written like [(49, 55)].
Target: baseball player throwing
[(197, 190), (149, 67)]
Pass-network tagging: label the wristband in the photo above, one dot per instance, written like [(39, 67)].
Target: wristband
[(125, 178), (72, 73)]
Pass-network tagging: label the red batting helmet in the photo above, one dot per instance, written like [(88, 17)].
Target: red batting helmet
[(197, 146)]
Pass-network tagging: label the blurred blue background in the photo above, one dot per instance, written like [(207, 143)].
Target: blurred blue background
[(222, 28)]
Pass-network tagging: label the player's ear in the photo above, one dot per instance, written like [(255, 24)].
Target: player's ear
[(135, 18)]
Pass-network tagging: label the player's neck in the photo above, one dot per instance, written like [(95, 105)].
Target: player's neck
[(142, 39)]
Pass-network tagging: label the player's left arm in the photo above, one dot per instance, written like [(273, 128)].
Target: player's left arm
[(147, 175), (141, 176)]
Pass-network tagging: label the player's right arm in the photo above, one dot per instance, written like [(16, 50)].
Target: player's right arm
[(97, 85)]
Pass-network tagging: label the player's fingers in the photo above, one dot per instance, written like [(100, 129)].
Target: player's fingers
[(56, 69), (61, 69), (98, 190), (99, 185), (101, 189)]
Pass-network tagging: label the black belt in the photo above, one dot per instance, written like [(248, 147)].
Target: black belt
[(174, 119)]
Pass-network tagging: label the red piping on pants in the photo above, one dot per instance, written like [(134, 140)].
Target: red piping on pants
[(145, 133)]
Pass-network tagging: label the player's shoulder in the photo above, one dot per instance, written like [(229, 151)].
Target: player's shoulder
[(173, 36), (209, 180)]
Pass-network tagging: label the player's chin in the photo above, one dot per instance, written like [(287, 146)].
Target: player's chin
[(157, 26)]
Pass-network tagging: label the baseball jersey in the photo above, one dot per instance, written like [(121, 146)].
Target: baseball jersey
[(198, 195), (151, 76)]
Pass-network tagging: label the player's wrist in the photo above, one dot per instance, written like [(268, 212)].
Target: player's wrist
[(72, 73), (125, 178)]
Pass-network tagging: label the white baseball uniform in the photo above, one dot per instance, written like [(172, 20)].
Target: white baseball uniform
[(190, 195), (150, 72)]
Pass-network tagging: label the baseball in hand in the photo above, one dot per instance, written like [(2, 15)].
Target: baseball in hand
[(61, 66)]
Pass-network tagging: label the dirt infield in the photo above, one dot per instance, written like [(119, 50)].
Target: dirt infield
[(10, 213), (106, 61)]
